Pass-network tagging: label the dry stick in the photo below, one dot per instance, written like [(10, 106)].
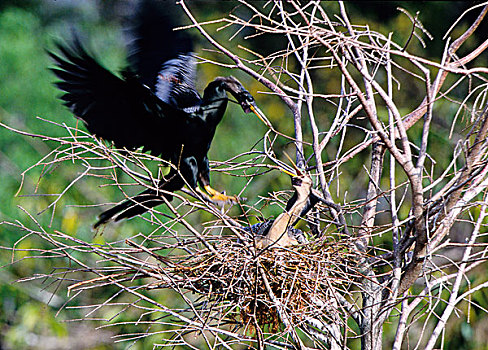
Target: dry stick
[(407, 308), (474, 156), (297, 117), (420, 225), (406, 163), (190, 323), (191, 228), (402, 325), (370, 304), (451, 305), (281, 310), (64, 247), (369, 211), (393, 207), (412, 118), (361, 62), (405, 160), (304, 74), (335, 128), (451, 207), (371, 325), (369, 82), (395, 231), (316, 144), (260, 78), (377, 154), (336, 209), (401, 159), (471, 177), (396, 276)]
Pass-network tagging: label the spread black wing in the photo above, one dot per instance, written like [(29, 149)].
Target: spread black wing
[(120, 109), (161, 56), (176, 83), (153, 39)]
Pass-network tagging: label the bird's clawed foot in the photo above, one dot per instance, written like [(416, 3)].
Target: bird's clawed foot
[(217, 197)]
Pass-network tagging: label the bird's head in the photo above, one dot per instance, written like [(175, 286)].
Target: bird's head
[(300, 179), (243, 97), (303, 181)]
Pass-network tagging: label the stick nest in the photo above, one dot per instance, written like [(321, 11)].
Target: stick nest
[(302, 280)]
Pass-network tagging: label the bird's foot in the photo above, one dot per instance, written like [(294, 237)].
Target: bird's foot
[(216, 196), (220, 197)]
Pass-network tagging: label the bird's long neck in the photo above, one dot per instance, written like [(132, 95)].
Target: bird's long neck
[(277, 234), (214, 102)]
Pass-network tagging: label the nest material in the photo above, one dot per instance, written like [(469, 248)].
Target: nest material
[(302, 279)]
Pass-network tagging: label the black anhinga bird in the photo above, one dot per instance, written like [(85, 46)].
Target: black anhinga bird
[(168, 118)]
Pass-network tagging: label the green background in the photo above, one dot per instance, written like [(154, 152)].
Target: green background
[(28, 310)]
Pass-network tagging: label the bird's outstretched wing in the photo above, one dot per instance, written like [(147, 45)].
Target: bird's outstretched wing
[(161, 56), (121, 110), (176, 83)]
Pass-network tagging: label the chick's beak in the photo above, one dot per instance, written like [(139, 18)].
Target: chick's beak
[(289, 173)]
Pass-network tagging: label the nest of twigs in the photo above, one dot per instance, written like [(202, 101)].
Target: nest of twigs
[(299, 280)]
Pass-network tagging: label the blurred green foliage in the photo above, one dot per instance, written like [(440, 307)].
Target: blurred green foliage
[(28, 314)]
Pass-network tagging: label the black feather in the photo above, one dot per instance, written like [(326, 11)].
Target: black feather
[(169, 118)]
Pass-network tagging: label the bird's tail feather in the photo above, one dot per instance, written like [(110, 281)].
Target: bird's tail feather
[(132, 207)]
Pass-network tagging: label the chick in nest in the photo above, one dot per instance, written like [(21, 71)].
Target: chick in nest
[(280, 232)]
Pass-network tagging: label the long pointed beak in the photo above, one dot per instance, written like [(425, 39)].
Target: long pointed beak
[(288, 172), (260, 115), (298, 170)]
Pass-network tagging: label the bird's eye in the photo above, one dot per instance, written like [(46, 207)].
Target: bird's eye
[(247, 97), (242, 98)]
